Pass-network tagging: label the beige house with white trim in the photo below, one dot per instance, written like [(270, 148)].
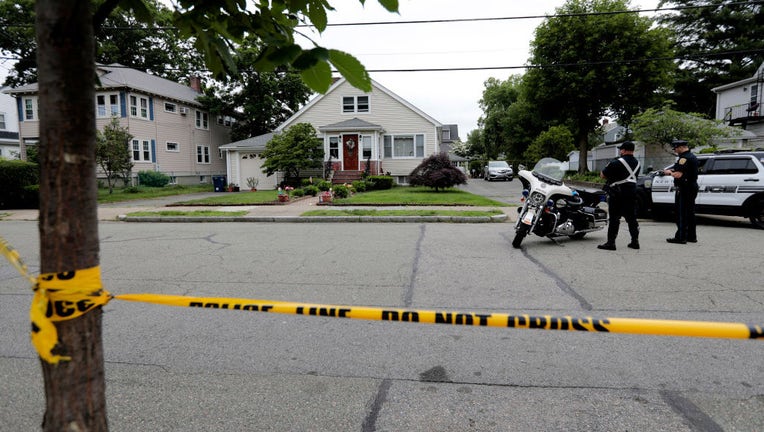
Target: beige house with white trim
[(172, 133), (379, 128)]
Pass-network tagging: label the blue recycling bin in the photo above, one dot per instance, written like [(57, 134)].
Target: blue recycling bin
[(219, 183)]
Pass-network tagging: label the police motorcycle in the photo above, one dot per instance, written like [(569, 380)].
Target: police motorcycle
[(552, 209)]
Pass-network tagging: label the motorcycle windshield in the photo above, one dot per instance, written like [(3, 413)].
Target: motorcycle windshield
[(550, 170)]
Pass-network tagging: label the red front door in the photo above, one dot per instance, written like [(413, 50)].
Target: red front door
[(350, 149)]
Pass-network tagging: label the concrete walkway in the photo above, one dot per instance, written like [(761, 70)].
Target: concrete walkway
[(290, 212)]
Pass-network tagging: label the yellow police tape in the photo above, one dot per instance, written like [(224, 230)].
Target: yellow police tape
[(63, 296), (545, 322)]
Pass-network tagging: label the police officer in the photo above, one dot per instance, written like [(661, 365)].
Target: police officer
[(621, 177), (685, 173)]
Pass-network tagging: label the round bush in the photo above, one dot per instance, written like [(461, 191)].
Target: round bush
[(311, 190), (341, 191)]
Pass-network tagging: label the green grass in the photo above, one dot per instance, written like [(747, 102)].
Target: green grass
[(411, 212), (198, 213), (408, 195), (142, 192), (236, 198)]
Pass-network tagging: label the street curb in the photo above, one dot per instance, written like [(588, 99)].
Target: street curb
[(325, 219)]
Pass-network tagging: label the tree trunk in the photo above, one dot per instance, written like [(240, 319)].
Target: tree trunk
[(583, 151), (74, 390)]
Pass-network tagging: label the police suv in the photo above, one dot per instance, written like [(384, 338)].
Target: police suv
[(729, 183)]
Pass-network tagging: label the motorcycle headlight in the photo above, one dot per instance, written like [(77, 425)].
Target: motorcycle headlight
[(648, 184), (560, 203)]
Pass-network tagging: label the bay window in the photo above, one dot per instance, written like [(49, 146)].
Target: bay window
[(404, 146)]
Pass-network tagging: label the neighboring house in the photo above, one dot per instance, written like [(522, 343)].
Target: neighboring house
[(378, 127), (612, 132), (740, 104), (245, 160), (9, 128), (449, 135), (171, 132)]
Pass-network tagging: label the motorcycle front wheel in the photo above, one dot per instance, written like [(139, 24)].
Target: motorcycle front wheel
[(520, 234)]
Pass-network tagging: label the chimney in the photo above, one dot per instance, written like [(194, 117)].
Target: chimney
[(195, 82)]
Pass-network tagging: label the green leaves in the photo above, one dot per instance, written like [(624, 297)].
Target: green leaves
[(352, 69)]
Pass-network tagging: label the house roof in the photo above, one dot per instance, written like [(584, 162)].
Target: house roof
[(353, 124), (256, 143), (116, 76), (374, 84), (453, 131), (756, 77)]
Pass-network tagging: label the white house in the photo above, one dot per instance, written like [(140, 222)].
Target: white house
[(9, 128), (739, 104), (379, 128)]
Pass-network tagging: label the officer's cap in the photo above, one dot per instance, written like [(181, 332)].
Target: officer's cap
[(628, 146), (679, 143)]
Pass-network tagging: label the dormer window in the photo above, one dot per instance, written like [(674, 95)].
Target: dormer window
[(355, 104)]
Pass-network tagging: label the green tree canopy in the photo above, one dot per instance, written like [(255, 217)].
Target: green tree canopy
[(497, 100), (555, 142), (259, 101), (113, 152), (718, 43), (661, 126), (586, 65), (295, 149)]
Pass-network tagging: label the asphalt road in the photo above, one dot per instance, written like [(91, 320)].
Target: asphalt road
[(177, 369)]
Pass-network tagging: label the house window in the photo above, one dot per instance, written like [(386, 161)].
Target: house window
[(173, 146), (30, 109), (366, 146), (446, 134), (404, 146), (334, 147), (170, 107), (2, 121), (107, 105), (139, 107), (355, 104), (754, 94), (202, 154), (202, 120), (141, 150)]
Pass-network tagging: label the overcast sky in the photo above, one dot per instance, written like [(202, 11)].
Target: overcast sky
[(449, 97)]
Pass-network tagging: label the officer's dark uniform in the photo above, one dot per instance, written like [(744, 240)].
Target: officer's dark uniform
[(621, 175), (686, 190)]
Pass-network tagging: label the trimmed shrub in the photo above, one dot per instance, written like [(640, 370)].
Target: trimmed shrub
[(153, 179), (437, 172), (379, 182), (341, 191), (324, 185), (20, 184), (359, 186), (311, 190), (298, 193)]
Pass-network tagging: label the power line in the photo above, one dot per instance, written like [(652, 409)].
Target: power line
[(456, 20), (524, 17)]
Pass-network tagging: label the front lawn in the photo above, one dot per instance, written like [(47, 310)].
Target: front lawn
[(419, 195), (143, 192), (400, 195)]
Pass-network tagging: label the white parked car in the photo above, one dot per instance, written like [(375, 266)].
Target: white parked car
[(498, 170), (730, 184)]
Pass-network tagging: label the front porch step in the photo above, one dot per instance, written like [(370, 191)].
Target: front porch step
[(347, 176)]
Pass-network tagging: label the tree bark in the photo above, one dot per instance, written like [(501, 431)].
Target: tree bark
[(75, 389)]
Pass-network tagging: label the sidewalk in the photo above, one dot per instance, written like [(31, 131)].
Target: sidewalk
[(290, 212)]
